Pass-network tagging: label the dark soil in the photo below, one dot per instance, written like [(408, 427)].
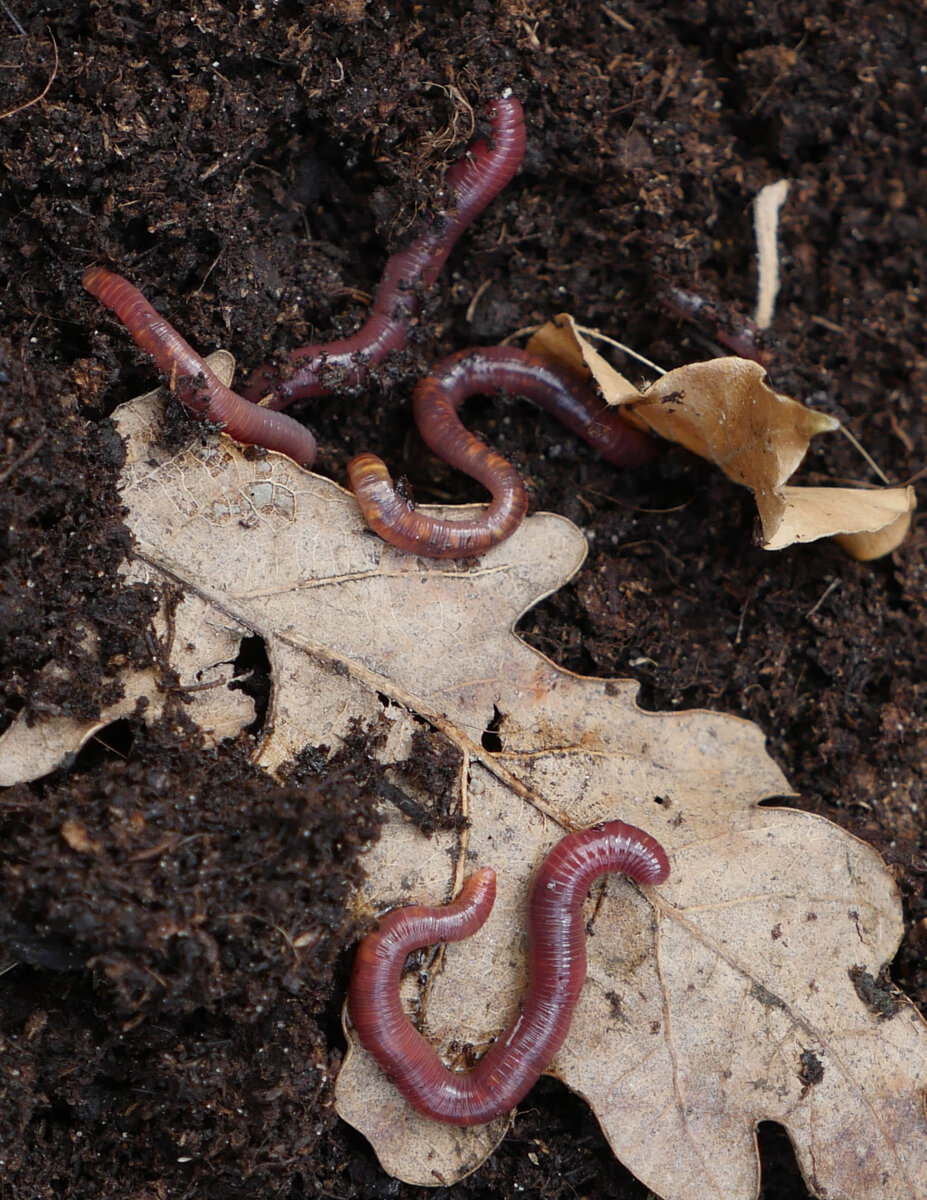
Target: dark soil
[(250, 166)]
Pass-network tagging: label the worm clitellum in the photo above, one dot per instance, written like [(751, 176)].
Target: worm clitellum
[(491, 370), (475, 180), (557, 971), (191, 380)]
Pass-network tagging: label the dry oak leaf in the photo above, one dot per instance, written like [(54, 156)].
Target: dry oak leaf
[(725, 410), (718, 1000)]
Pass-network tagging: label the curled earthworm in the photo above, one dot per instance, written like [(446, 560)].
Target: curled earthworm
[(191, 380), (491, 370), (475, 181), (557, 971)]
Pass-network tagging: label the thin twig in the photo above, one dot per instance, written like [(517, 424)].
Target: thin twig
[(590, 333), (617, 19), (865, 453), (28, 453), (44, 92), (915, 477), (603, 337), (743, 616), (9, 12), (525, 331), (834, 583), (477, 296), (212, 266)]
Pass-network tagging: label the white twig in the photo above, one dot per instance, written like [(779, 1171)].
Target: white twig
[(595, 335)]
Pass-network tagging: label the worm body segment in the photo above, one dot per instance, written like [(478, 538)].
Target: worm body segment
[(491, 370), (557, 971), (476, 180), (197, 387)]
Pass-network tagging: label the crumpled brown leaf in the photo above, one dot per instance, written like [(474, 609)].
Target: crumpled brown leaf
[(865, 523), (725, 410), (729, 995)]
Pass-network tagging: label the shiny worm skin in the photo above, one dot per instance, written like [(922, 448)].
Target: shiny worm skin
[(475, 181), (197, 387), (491, 370), (557, 971)]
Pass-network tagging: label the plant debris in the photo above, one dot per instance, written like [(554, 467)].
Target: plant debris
[(726, 411)]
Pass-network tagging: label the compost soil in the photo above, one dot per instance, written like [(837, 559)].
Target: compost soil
[(250, 167)]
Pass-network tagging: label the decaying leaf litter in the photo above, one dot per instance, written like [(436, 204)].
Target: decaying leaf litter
[(707, 1000), (725, 410)]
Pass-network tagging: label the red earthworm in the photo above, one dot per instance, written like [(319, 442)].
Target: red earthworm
[(487, 371), (475, 180), (742, 335), (191, 380), (557, 971)]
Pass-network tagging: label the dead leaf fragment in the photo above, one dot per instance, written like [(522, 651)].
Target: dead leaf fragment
[(725, 410), (561, 340), (766, 206), (79, 839), (866, 524), (203, 646)]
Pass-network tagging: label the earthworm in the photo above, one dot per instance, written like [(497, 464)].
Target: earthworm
[(557, 971), (475, 180), (742, 335), (490, 370), (191, 380)]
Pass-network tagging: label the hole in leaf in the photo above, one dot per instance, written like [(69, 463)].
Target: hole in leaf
[(253, 677), (112, 741), (491, 740), (780, 1173)]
